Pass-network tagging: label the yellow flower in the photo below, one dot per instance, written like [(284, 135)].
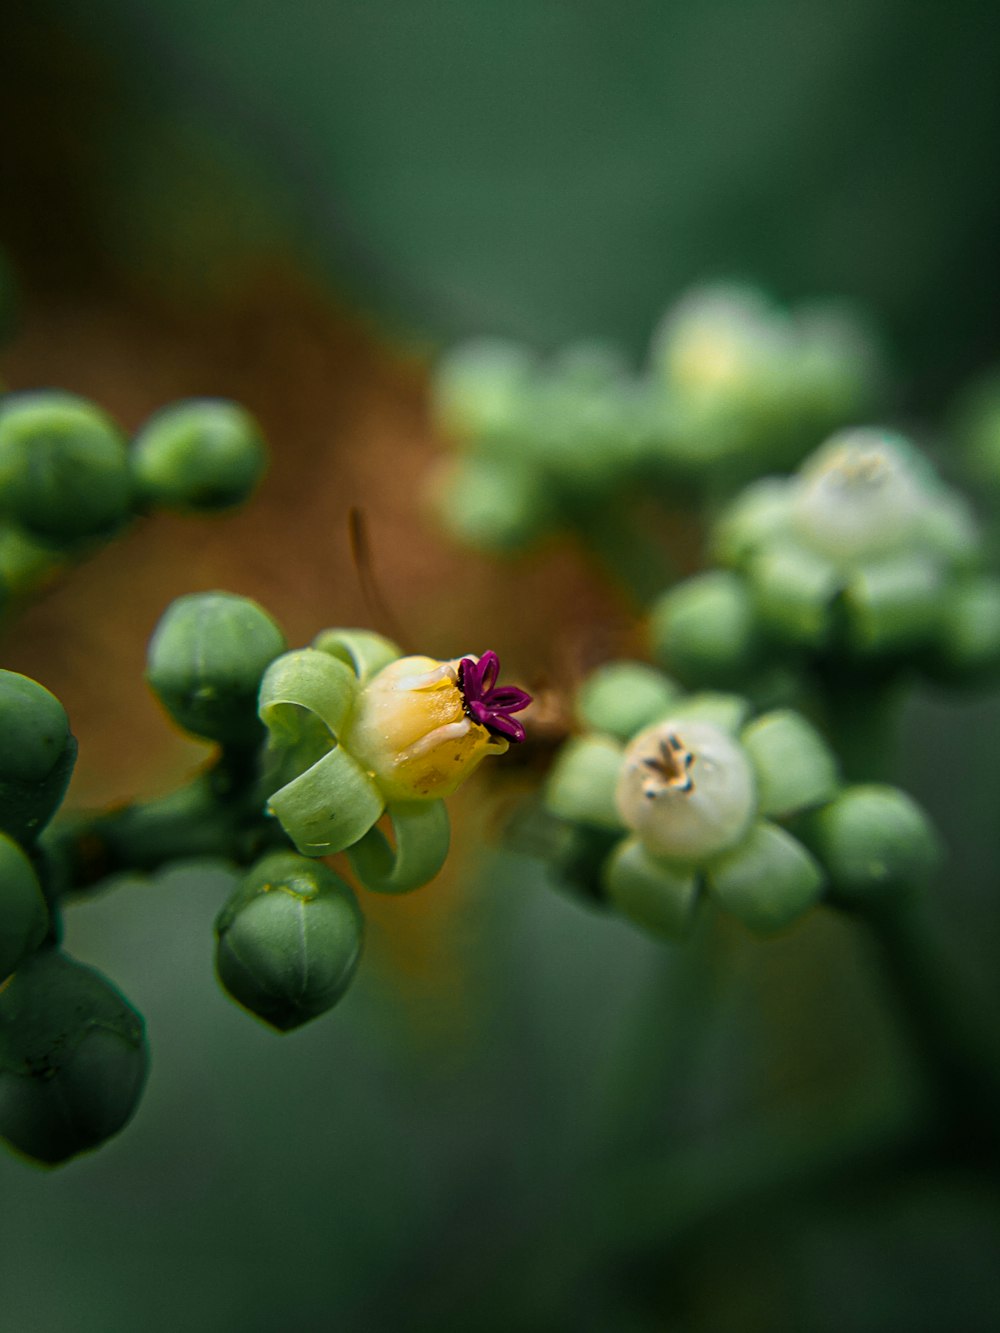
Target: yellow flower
[(412, 732)]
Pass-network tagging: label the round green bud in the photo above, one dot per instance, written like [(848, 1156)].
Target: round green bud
[(24, 916), (969, 640), (768, 881), (205, 663), (705, 629), (894, 605), (876, 843), (63, 468), (37, 754), (479, 388), (492, 504), (583, 780), (658, 896), (621, 698), (204, 454), (73, 1058), (794, 766), (289, 940)]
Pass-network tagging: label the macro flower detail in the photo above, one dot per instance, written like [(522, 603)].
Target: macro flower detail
[(358, 730), (486, 702)]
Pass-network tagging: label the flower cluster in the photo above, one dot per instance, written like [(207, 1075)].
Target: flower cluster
[(734, 385), (863, 554), (698, 799)]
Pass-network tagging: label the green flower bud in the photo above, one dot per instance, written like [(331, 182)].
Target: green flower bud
[(24, 916), (728, 712), (73, 1058), (37, 754), (794, 766), (492, 504), (479, 388), (289, 940), (659, 896), (583, 781), (876, 844), (687, 789), (623, 697), (725, 344), (705, 629), (63, 468), (205, 663), (969, 640), (768, 881), (756, 517), (793, 591), (895, 604), (204, 454), (25, 564)]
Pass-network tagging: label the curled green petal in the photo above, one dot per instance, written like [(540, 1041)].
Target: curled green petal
[(658, 895), (623, 697), (768, 881), (329, 806), (364, 651), (794, 766), (422, 836), (306, 679), (583, 781)]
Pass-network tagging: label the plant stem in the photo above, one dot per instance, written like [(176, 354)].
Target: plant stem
[(217, 814), (950, 1031)]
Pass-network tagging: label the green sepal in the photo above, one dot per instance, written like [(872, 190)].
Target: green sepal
[(728, 712), (768, 881), (794, 590), (877, 844), (661, 896), (583, 780), (795, 768), (621, 698), (706, 631), (37, 755), (289, 940), (364, 651), (24, 916), (895, 604), (206, 659), (73, 1058), (329, 806), (422, 835)]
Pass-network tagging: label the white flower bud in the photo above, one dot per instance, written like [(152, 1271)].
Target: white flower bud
[(687, 789), (858, 496)]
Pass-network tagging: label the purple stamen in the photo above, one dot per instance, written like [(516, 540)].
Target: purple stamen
[(485, 703)]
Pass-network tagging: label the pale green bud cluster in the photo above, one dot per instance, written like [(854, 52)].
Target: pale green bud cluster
[(702, 800), (734, 386), (864, 554)]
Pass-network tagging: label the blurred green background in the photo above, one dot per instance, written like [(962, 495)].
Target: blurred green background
[(523, 1113)]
